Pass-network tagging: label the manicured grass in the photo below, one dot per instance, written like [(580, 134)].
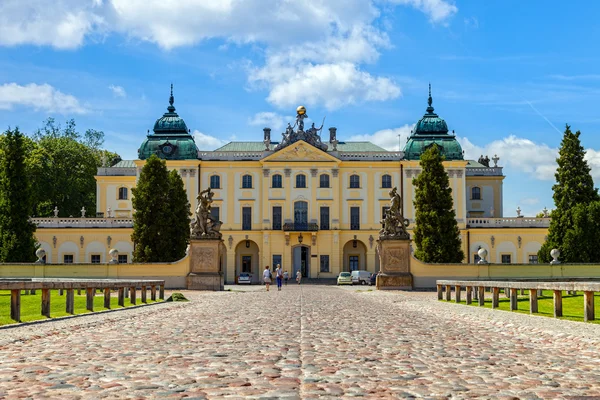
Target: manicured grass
[(31, 304), (572, 304)]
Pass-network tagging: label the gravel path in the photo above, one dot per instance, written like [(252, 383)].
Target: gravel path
[(302, 342)]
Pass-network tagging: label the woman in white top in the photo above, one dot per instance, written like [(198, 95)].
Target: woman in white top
[(298, 276), (279, 276), (267, 277)]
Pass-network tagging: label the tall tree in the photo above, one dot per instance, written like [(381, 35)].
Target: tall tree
[(436, 233), (17, 240), (573, 192), (161, 219)]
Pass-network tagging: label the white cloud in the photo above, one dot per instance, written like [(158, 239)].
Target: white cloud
[(314, 49), (118, 91), (207, 142), (387, 138), (269, 120), (530, 201), (39, 97)]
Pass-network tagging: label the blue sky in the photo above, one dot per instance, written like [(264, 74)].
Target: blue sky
[(507, 76)]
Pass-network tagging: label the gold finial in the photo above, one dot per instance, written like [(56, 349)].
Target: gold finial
[(301, 110)]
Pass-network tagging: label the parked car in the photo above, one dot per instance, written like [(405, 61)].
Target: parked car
[(360, 277), (344, 278), (245, 277), (373, 280)]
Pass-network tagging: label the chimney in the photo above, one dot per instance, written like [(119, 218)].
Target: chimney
[(332, 135), (267, 132)]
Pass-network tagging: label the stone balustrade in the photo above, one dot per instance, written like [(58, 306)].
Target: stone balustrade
[(369, 155), (115, 171), (342, 155), (51, 222), (16, 285), (534, 287), (487, 171), (231, 155), (516, 222)]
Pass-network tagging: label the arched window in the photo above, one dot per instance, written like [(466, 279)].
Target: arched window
[(354, 181), (476, 193), (276, 181), (215, 182), (247, 182), (386, 181), (300, 181), (123, 192), (324, 181)]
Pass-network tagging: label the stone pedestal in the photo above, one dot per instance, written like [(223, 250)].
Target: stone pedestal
[(394, 261), (205, 265)]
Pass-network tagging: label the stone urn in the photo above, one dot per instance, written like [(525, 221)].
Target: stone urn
[(482, 256), (114, 256), (40, 254)]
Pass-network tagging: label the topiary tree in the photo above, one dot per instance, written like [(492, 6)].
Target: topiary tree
[(436, 233), (161, 219), (573, 192), (17, 240)]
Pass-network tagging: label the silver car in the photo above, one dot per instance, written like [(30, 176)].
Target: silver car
[(245, 277)]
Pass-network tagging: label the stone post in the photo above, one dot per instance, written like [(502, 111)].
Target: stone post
[(107, 298)]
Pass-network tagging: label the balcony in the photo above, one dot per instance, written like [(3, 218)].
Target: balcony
[(301, 226), (518, 222)]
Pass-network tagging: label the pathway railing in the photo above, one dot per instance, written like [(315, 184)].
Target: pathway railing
[(478, 288), (16, 285)]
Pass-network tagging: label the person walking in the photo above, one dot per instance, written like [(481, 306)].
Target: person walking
[(279, 276), (267, 277), (298, 276), (286, 276)]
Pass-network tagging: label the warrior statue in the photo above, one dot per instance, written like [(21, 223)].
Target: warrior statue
[(205, 226), (394, 223)]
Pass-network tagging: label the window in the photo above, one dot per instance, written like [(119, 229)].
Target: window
[(355, 218), (247, 218), (247, 182), (354, 182), (276, 260), (324, 263), (324, 181), (300, 215), (476, 193), (324, 219), (95, 258), (301, 181), (215, 182), (276, 219), (505, 258), (247, 264), (123, 193), (533, 259), (216, 213), (68, 258), (353, 263), (122, 258), (276, 181), (476, 258), (386, 181)]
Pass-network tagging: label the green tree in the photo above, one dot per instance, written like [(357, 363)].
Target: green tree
[(573, 193), (17, 240), (436, 233), (161, 219), (62, 165)]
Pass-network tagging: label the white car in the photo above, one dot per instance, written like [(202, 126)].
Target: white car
[(344, 278), (245, 277), (360, 277)]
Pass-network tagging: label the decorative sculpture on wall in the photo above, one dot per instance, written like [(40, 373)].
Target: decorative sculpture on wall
[(311, 136), (394, 223), (204, 225)]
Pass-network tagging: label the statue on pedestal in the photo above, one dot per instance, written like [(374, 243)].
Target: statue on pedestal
[(394, 223), (205, 225)]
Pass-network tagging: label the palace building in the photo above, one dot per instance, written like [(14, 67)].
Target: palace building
[(310, 201)]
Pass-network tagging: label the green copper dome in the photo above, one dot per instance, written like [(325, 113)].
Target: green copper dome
[(171, 139), (429, 130)]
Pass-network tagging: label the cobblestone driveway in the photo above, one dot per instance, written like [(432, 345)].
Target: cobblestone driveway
[(302, 342)]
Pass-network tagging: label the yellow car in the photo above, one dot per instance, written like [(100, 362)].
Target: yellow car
[(344, 278)]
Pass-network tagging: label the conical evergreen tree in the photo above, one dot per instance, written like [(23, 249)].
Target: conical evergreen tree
[(436, 233), (160, 225), (17, 240), (573, 190)]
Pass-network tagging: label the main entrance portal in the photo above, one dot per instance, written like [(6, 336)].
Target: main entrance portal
[(301, 261)]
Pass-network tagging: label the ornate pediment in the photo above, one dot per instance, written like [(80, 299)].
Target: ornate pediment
[(300, 151)]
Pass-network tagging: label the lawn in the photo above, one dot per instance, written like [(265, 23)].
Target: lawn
[(572, 304), (31, 305)]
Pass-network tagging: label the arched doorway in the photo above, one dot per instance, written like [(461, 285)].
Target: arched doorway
[(246, 260), (301, 261), (355, 256)]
